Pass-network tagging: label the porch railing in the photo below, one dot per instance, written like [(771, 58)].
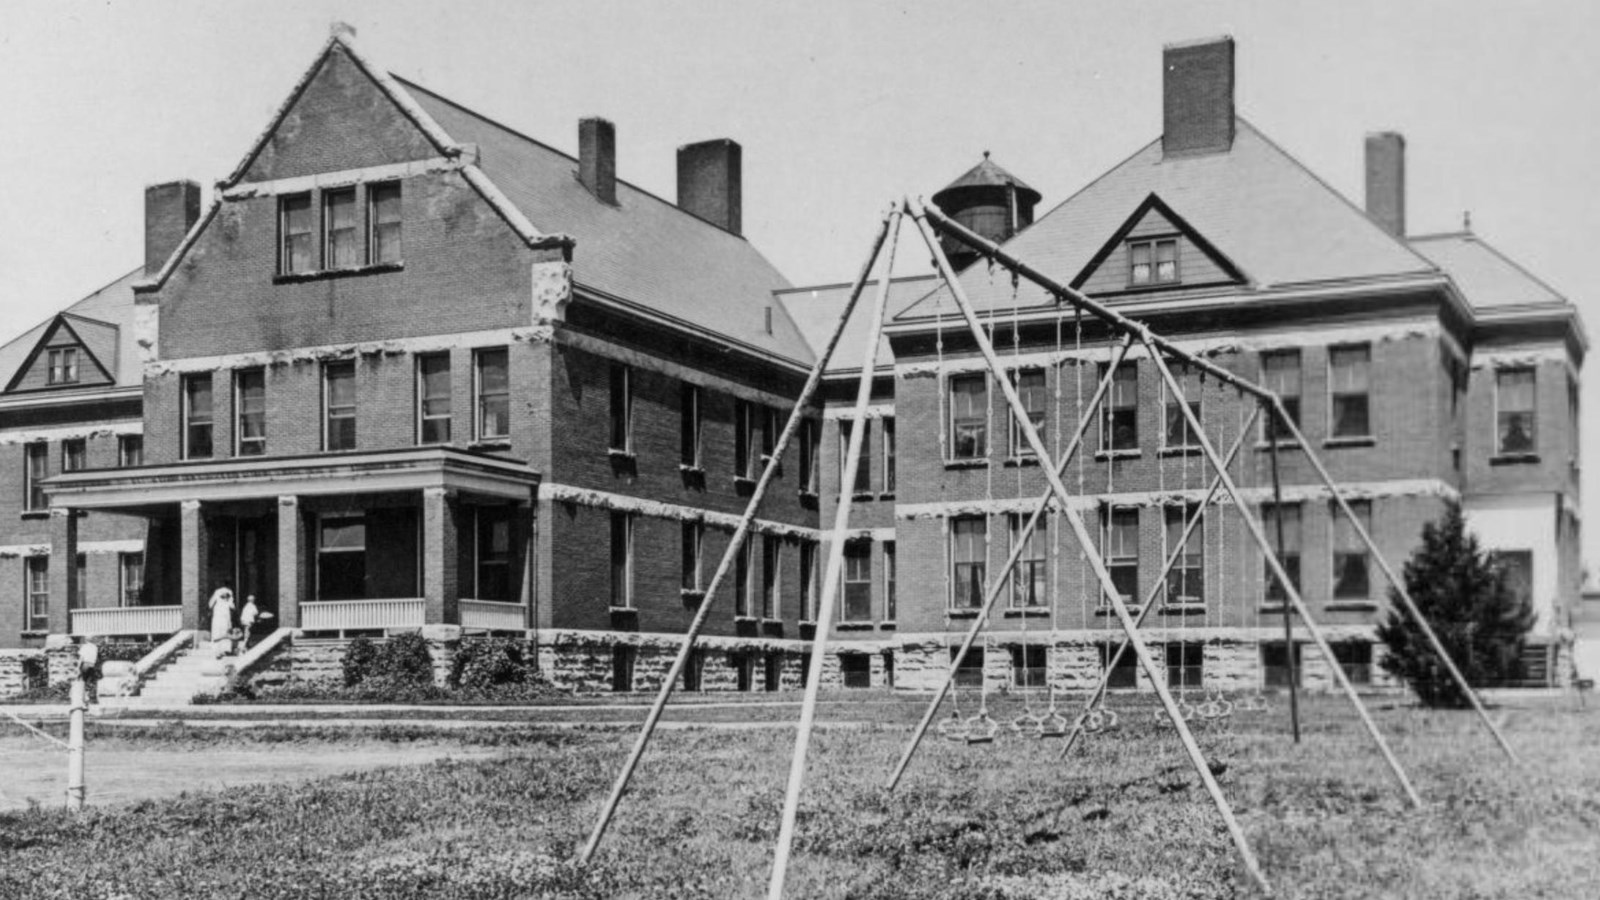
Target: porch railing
[(492, 615), (352, 615), (120, 620)]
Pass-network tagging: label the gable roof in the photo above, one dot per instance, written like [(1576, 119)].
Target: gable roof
[(816, 311), (103, 322), (1154, 205), (1276, 219), (1485, 276)]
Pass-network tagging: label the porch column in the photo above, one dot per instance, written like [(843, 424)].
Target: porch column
[(63, 569), (439, 558), (292, 578), (194, 544)]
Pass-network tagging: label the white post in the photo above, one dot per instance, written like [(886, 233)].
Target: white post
[(75, 790)]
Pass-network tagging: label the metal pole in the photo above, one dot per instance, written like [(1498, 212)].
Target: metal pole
[(1289, 590), (1150, 596), (1400, 588), (832, 576), (1288, 619), (997, 584), (1091, 552), (739, 535), (78, 703)]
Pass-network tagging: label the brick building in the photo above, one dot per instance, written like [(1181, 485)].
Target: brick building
[(411, 369)]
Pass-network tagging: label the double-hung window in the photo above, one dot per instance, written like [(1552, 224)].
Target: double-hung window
[(491, 387), (1029, 665), (341, 233), (771, 428), (1028, 577), (63, 365), (744, 439), (74, 454), (1280, 373), (888, 454), (383, 205), (342, 558), (621, 409), (771, 576), (808, 580), (1178, 433), (1119, 423), (810, 442), (969, 416), (339, 405), (36, 461), (80, 578), (693, 538), (1514, 396), (130, 450), (1153, 262), (622, 560), (1122, 550), (131, 567), (742, 574), (1030, 389), (863, 480), (1185, 665), (689, 426), (1186, 580), (493, 552), (297, 234), (889, 606), (968, 561), (250, 406), (1350, 577), (1348, 384), (433, 398), (197, 422), (38, 593), (1288, 517), (858, 581)]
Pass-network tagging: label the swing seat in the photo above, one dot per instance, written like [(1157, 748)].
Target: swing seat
[(1027, 724), (1054, 725), (954, 728), (981, 729), (1092, 722)]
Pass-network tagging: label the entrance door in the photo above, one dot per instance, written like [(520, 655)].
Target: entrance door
[(256, 565)]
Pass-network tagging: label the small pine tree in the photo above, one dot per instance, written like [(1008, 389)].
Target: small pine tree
[(1466, 598)]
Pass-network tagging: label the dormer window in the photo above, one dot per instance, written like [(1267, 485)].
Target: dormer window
[(64, 365), (1153, 262)]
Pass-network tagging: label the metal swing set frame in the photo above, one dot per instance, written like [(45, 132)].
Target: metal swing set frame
[(929, 220)]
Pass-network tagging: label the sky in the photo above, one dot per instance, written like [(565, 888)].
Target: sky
[(841, 106)]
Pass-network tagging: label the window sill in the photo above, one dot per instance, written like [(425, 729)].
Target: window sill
[(975, 463), (807, 623), (1117, 454), (745, 619), (1266, 446), (739, 481), (624, 611), (693, 594), (1107, 610), (1513, 459), (1180, 451), (862, 495), (35, 514), (490, 444), (1183, 609), (625, 455), (1357, 441), (1351, 606), (888, 625), (854, 626), (767, 621), (886, 495), (1031, 612), (687, 469), (962, 613), (324, 274), (1012, 462), (806, 496)]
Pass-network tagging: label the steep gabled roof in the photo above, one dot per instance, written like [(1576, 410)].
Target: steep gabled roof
[(104, 322), (1485, 276), (1153, 206), (1276, 220)]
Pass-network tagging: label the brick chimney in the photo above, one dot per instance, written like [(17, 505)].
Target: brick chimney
[(1197, 97), (1386, 181), (709, 182), (170, 210), (597, 158)]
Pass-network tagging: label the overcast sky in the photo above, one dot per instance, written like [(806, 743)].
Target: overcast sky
[(840, 106)]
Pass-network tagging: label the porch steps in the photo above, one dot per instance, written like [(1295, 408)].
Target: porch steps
[(193, 671)]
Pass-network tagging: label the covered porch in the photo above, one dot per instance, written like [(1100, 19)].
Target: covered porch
[(333, 543)]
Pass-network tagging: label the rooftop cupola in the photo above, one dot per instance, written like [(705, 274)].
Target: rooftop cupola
[(988, 200)]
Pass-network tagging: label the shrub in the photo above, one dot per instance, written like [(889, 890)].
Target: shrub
[(489, 662), (359, 655), (126, 651), (1465, 596), (401, 657)]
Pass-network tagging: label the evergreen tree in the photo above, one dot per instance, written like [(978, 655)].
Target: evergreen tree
[(1465, 596)]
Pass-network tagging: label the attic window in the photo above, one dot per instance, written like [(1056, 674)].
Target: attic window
[(64, 365), (1152, 262)]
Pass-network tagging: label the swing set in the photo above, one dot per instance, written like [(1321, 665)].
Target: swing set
[(1059, 504)]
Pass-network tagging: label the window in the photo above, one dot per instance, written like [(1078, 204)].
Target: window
[(1185, 665), (250, 405), (621, 560), (295, 234), (342, 558), (197, 416), (1280, 373), (968, 561), (810, 442), (856, 670), (772, 678), (1126, 673), (339, 225), (383, 201), (1119, 428), (741, 582), (889, 610), (689, 426), (969, 416), (622, 661), (36, 458), (1517, 566), (888, 455), (771, 577), (1030, 389), (130, 450), (1186, 580), (1275, 665), (863, 480), (744, 670), (1178, 434), (339, 406), (38, 593), (492, 386), (63, 365), (131, 565), (1350, 580), (744, 439), (433, 399), (808, 580), (1347, 390), (1153, 262), (693, 538), (1028, 665), (621, 409), (493, 552), (970, 671), (770, 430), (1121, 550), (694, 670), (1355, 658), (858, 581), (80, 580), (1289, 516), (74, 454), (1514, 392), (1028, 577)]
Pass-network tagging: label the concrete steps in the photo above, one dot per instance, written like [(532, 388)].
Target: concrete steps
[(192, 671)]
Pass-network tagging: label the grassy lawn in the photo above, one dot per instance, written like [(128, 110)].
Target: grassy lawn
[(1124, 818)]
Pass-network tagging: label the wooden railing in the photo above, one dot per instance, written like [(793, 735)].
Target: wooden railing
[(353, 615), (491, 615), (120, 620)]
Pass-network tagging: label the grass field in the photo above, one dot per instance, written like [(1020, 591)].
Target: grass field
[(1124, 818)]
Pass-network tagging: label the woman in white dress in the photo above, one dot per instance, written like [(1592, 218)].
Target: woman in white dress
[(221, 605)]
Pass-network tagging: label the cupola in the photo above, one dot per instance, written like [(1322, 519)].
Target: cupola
[(988, 200)]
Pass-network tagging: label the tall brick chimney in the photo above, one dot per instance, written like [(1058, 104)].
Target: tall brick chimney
[(710, 175), (597, 158), (1386, 181), (1197, 97), (170, 210)]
